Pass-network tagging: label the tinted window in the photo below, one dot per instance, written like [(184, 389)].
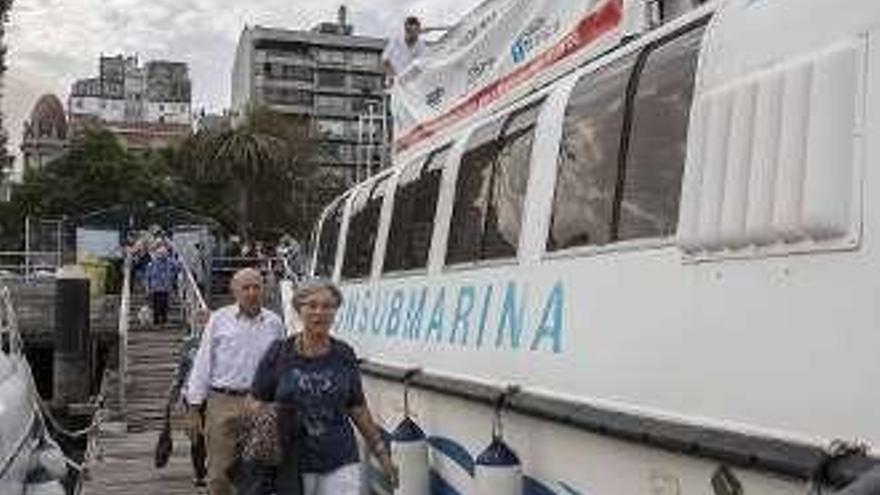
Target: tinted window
[(490, 189), (328, 240), (331, 78), (588, 158), (658, 140), (412, 222), (363, 227), (288, 96), (603, 195)]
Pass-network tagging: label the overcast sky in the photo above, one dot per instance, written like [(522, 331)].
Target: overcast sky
[(54, 42)]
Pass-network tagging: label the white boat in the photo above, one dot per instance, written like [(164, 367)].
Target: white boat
[(31, 463), (662, 235)]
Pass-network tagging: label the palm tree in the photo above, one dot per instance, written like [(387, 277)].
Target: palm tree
[(260, 158)]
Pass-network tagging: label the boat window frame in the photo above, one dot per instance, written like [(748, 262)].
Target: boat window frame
[(637, 244)]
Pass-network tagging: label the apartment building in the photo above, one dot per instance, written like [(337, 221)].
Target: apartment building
[(147, 106), (329, 75)]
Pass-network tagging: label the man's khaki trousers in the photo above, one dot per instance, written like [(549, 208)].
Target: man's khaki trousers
[(223, 423)]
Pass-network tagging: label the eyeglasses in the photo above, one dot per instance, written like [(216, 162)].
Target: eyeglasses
[(315, 306)]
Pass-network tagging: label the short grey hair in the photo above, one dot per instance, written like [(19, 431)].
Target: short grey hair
[(312, 286), (243, 274)]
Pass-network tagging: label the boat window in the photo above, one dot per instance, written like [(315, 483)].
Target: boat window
[(412, 221), (588, 158), (490, 189), (328, 240), (658, 139), (363, 227), (604, 195)]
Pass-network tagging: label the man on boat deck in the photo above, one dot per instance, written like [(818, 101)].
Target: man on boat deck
[(400, 52), (232, 346)]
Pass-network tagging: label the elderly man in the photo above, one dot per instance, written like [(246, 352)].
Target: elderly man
[(232, 346)]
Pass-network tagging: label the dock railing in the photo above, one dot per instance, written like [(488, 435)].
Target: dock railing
[(122, 329), (28, 264)]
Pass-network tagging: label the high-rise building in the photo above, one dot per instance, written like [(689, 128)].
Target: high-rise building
[(146, 106), (329, 76)]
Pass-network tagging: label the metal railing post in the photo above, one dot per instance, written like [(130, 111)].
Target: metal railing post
[(124, 310)]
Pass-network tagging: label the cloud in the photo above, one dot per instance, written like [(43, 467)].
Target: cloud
[(54, 42)]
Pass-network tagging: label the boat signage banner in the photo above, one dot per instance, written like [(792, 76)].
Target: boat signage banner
[(500, 315), (500, 51)]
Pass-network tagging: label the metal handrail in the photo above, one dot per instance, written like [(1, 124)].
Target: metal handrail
[(123, 327), (191, 298)]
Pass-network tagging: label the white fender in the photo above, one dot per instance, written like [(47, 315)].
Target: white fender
[(498, 471), (51, 459), (409, 449)]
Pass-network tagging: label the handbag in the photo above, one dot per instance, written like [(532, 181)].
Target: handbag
[(164, 444), (261, 443)]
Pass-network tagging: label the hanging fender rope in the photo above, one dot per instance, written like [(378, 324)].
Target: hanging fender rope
[(500, 404)]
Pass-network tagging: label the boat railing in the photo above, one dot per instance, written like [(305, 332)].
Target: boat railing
[(10, 338), (13, 346)]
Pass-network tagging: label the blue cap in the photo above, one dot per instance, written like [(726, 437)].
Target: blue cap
[(408, 431), (498, 454)]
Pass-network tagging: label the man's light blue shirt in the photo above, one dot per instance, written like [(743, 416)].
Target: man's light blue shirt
[(231, 349)]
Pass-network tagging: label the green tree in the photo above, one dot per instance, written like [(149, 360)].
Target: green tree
[(254, 176), (96, 173)]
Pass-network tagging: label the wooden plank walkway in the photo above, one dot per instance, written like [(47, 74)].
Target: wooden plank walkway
[(124, 465), (127, 467)]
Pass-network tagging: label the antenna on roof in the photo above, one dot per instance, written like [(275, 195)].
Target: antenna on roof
[(343, 16)]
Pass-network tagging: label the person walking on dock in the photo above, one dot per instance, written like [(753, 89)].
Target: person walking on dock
[(187, 355), (161, 274), (315, 383), (232, 346)]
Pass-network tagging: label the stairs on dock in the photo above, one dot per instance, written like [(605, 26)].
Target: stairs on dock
[(152, 361)]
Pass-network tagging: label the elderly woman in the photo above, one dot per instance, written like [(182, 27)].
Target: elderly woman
[(315, 382)]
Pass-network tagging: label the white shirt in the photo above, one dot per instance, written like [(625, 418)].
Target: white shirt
[(400, 55), (231, 349)]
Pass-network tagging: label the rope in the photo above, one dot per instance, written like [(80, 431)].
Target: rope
[(44, 414), (500, 404)]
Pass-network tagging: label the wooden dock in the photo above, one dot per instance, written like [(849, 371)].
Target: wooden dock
[(123, 461), (126, 467)]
